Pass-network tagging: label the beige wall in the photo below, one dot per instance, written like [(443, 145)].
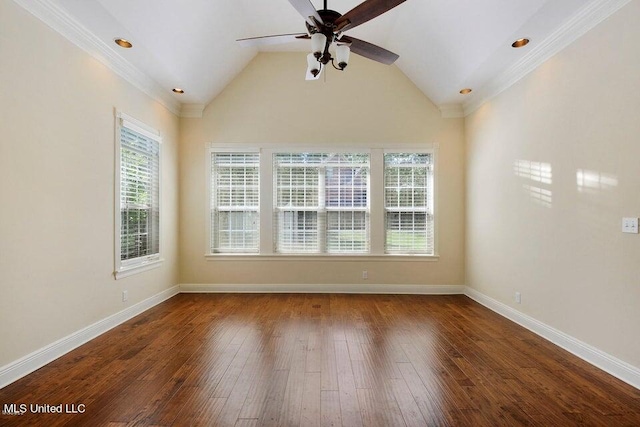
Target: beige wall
[(57, 187), (558, 239), (369, 104), (555, 237)]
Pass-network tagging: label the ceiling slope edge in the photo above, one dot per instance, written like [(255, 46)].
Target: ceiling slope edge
[(60, 21), (192, 110), (587, 18), (451, 111)]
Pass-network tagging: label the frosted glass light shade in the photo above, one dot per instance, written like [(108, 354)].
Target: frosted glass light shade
[(318, 42), (342, 55), (313, 66)]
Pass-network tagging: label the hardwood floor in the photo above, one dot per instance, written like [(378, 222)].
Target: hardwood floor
[(322, 360)]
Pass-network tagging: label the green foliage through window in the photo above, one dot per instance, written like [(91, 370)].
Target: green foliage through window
[(139, 195)]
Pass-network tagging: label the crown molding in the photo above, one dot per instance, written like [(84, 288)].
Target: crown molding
[(451, 111), (587, 18), (192, 110), (60, 21)]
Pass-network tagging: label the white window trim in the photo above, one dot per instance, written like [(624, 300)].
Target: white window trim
[(321, 257), (376, 201), (211, 149), (433, 150), (138, 265), (323, 210)]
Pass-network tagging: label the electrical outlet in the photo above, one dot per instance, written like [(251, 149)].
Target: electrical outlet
[(630, 225), (518, 297), (365, 274), (125, 295)]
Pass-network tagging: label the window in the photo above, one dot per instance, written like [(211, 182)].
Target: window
[(321, 203), (408, 202), (138, 196), (235, 215)]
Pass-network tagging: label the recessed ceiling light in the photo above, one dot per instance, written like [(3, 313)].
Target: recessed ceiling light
[(465, 91), (177, 90), (520, 43), (123, 43)]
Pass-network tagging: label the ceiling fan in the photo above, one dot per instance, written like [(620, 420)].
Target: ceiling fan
[(325, 27)]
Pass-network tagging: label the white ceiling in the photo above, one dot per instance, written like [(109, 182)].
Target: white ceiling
[(444, 45)]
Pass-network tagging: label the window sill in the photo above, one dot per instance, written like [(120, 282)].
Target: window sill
[(138, 268), (316, 257)]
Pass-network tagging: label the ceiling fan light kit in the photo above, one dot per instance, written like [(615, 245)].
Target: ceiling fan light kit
[(313, 66), (342, 55), (325, 28), (318, 41)]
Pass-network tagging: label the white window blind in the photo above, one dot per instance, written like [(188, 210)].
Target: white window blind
[(235, 216), (139, 196), (408, 190), (321, 203)]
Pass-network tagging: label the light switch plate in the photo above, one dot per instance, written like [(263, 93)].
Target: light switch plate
[(630, 225)]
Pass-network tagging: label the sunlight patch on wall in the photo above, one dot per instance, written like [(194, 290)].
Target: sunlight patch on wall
[(535, 171), (539, 195), (540, 173), (593, 181)]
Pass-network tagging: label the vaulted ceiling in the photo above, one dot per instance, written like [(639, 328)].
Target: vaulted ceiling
[(444, 46)]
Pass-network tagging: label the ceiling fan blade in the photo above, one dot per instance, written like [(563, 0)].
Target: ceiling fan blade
[(307, 10), (369, 50), (275, 39), (364, 12)]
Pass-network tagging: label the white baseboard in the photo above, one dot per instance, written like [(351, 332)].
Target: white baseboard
[(324, 289), (616, 367), (29, 363)]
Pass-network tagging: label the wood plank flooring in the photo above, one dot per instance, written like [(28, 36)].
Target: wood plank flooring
[(322, 360)]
